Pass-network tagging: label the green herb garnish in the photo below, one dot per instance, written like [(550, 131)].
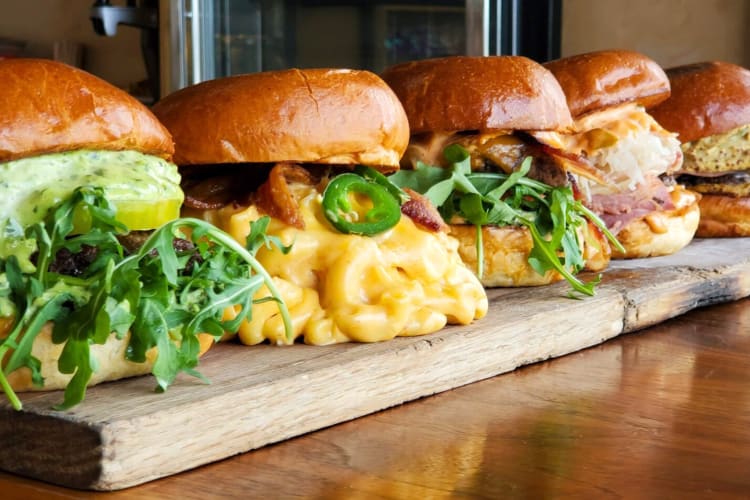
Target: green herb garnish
[(551, 214), (164, 297)]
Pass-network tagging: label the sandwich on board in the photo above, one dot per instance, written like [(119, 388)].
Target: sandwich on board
[(355, 257), (709, 109), (609, 93), (97, 281), (508, 198)]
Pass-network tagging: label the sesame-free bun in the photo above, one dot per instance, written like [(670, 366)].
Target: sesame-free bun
[(48, 107), (708, 98), (331, 116), (483, 94), (664, 232), (110, 358), (597, 80), (506, 254), (724, 216)]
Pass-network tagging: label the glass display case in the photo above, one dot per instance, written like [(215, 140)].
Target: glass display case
[(204, 39)]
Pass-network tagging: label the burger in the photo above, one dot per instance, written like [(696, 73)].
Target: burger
[(709, 109), (474, 118), (95, 281), (608, 94), (304, 152)]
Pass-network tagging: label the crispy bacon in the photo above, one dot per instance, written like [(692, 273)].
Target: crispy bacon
[(574, 163), (421, 210), (276, 199)]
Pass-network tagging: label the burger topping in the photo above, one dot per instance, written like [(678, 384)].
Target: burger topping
[(504, 152), (160, 297), (343, 287), (552, 215), (618, 209), (421, 210), (717, 154), (625, 143), (145, 189), (275, 197), (356, 205)]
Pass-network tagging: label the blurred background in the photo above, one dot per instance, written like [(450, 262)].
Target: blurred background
[(153, 47)]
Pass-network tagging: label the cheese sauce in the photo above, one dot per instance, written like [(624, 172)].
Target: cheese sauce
[(339, 287)]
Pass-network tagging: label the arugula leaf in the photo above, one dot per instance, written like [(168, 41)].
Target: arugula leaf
[(552, 214), (162, 297), (258, 238)]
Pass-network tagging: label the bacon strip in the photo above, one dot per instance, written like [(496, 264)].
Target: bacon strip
[(574, 163), (421, 210), (276, 199)]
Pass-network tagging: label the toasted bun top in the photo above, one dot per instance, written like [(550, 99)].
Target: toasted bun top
[(598, 80), (332, 116), (48, 107), (478, 93), (708, 98)]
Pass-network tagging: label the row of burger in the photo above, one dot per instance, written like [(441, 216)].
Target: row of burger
[(365, 207), (648, 156)]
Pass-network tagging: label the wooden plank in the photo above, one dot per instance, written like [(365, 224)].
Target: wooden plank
[(125, 434)]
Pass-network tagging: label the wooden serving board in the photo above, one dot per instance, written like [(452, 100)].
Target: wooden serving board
[(125, 433)]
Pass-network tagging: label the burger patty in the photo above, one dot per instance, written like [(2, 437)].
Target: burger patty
[(505, 153), (732, 184), (75, 264)]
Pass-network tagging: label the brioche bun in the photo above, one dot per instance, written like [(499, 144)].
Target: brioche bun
[(330, 116), (708, 98), (597, 80), (110, 358), (664, 232), (48, 107), (506, 254), (478, 93), (724, 216)]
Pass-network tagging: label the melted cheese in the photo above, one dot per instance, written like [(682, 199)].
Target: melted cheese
[(338, 287)]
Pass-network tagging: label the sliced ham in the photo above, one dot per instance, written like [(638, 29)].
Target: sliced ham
[(617, 210)]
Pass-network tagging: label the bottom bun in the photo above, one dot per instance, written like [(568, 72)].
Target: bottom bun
[(724, 216), (110, 358), (506, 254), (662, 233)]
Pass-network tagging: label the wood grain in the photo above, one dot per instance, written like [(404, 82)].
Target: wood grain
[(124, 434), (664, 413)]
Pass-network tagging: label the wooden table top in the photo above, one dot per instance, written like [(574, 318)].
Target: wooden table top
[(664, 412)]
